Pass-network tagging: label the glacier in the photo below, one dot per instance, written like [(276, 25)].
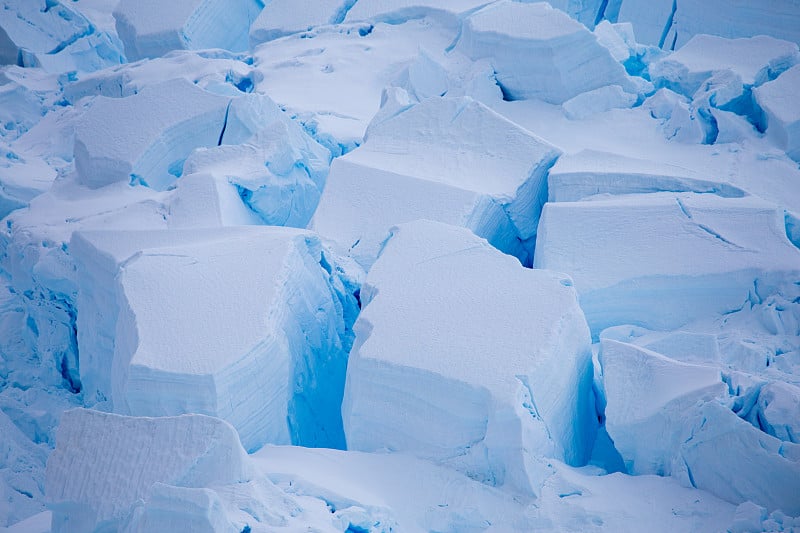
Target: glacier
[(399, 265)]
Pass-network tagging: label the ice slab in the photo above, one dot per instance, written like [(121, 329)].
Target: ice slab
[(666, 417), (103, 463), (148, 28), (697, 255), (779, 101), (672, 24), (146, 138), (752, 61), (49, 34), (241, 323), (598, 101), (737, 18), (588, 173), (486, 390), (448, 159), (647, 397), (545, 54), (284, 17)]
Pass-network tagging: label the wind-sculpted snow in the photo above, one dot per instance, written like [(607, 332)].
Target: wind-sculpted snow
[(150, 29), (254, 331), (539, 52), (446, 159), (488, 389), (697, 255)]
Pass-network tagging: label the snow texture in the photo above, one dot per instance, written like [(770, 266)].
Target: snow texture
[(482, 390)]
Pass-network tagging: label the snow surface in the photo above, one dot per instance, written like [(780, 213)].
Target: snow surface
[(234, 232)]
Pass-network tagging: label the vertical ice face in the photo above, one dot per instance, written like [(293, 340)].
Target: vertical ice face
[(241, 323), (781, 106), (447, 159), (150, 29), (539, 52), (697, 255), (103, 463), (464, 357)]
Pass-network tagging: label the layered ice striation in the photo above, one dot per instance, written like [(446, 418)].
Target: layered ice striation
[(666, 417), (539, 52), (447, 159), (149, 29), (484, 366), (698, 255), (778, 99), (247, 324), (104, 463), (590, 173)]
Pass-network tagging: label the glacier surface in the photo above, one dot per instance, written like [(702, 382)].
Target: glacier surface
[(399, 265)]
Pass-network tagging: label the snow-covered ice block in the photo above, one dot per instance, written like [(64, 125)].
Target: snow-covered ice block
[(245, 323), (647, 396), (781, 106), (146, 138), (487, 389), (734, 19), (447, 159), (278, 175), (650, 19), (149, 28), (54, 36), (598, 101), (684, 346), (103, 463), (205, 200), (284, 17), (778, 410), (398, 11), (216, 71), (728, 457), (749, 62), (664, 418), (679, 119), (539, 52), (662, 260), (589, 172), (21, 479)]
